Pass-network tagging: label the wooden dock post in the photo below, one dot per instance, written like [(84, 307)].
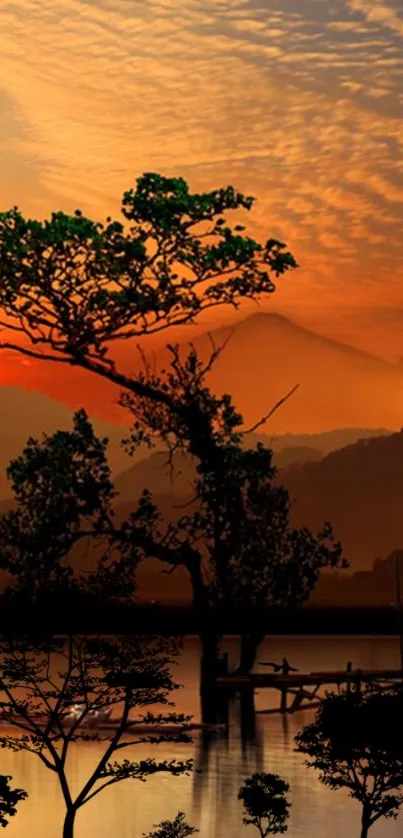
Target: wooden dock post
[(283, 704), (398, 556), (298, 684), (348, 669)]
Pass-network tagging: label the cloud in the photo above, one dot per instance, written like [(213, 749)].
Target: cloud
[(299, 105), (379, 13)]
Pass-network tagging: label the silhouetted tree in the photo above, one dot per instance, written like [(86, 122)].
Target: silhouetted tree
[(72, 287), (42, 678), (356, 743), (8, 799), (178, 828), (264, 802), (63, 492), (245, 553)]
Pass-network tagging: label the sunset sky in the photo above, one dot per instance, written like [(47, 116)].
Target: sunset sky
[(298, 103)]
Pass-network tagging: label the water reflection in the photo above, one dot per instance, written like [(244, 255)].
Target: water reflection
[(264, 742), (223, 760)]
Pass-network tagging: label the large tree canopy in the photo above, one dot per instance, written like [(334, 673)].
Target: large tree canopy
[(73, 286)]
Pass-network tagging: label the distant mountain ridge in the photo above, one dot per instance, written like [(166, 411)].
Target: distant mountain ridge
[(359, 489), (325, 441), (152, 472), (25, 413), (271, 319), (267, 355)]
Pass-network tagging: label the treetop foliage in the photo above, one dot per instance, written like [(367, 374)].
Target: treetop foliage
[(73, 285), (264, 802)]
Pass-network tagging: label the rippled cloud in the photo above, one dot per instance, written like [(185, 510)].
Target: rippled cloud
[(298, 103)]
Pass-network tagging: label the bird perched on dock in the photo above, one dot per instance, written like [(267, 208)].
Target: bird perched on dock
[(283, 667)]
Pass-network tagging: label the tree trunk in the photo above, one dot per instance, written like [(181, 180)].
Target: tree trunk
[(209, 642), (209, 654), (68, 826), (247, 715), (249, 647), (208, 670), (365, 823)]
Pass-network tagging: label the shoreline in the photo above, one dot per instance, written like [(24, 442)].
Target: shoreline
[(141, 729)]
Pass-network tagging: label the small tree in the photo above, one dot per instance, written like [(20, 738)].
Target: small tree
[(178, 828), (40, 679), (8, 799), (63, 495), (264, 802), (356, 743)]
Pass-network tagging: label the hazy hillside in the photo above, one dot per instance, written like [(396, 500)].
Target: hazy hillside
[(152, 472), (25, 413), (268, 354), (359, 489), (286, 457), (374, 587), (265, 357), (326, 441)]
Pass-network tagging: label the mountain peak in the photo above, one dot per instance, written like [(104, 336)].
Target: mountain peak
[(268, 354), (270, 317), (264, 322)]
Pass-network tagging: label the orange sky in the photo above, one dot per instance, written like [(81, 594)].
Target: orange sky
[(298, 103)]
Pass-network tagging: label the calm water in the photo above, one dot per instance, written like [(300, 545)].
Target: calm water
[(209, 799)]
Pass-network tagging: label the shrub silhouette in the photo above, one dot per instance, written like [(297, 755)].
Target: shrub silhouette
[(264, 802), (178, 828), (8, 799)]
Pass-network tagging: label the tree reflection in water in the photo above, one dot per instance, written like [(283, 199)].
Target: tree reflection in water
[(223, 759)]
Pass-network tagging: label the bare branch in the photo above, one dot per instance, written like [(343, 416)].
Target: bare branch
[(270, 413)]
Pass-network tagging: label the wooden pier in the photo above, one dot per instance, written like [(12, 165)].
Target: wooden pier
[(297, 684)]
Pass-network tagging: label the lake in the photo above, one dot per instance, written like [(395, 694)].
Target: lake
[(209, 798)]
